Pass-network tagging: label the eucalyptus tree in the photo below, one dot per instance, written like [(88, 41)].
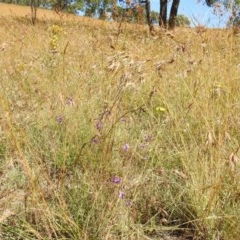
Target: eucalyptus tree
[(34, 4), (173, 13), (163, 13), (98, 8), (233, 6), (148, 15)]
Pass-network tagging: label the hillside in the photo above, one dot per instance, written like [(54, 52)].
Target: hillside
[(12, 10), (107, 132)]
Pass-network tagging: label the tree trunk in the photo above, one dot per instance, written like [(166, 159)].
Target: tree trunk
[(151, 29), (61, 5), (163, 13), (173, 14), (33, 11)]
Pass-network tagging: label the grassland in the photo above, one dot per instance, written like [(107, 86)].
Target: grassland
[(108, 134)]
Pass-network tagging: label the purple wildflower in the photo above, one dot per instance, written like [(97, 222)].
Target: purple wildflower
[(99, 125), (128, 203), (116, 179), (121, 194), (95, 140), (123, 120), (60, 119), (70, 101), (126, 147)]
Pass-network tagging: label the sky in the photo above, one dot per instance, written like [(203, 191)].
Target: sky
[(198, 13)]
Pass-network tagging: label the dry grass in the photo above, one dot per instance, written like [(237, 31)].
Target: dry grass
[(10, 10), (109, 134)]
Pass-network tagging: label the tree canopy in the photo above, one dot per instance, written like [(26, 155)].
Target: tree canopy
[(231, 5), (182, 21)]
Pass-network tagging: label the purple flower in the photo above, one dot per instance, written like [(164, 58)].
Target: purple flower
[(116, 179), (99, 125), (126, 147), (95, 140), (123, 119), (121, 194), (60, 119), (70, 101), (128, 203)]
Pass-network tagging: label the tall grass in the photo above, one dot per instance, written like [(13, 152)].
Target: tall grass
[(108, 136)]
